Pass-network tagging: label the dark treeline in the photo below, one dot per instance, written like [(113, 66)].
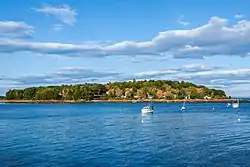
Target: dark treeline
[(159, 89)]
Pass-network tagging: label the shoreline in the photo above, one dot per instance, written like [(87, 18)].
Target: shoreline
[(125, 101)]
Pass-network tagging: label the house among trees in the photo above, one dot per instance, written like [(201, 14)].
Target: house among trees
[(207, 97)]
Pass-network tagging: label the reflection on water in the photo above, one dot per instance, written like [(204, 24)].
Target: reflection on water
[(146, 117)]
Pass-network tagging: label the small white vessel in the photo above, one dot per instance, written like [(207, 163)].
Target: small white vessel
[(147, 109), (183, 106), (228, 104), (236, 105)]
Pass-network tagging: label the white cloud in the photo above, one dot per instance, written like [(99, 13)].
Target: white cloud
[(69, 75), (57, 27), (230, 81), (64, 13), (198, 68), (146, 59), (234, 82), (15, 29), (184, 72), (211, 76), (239, 16), (238, 90), (217, 37), (214, 74), (7, 45), (153, 74), (181, 21)]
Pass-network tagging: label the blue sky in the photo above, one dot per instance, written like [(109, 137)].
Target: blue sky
[(63, 42)]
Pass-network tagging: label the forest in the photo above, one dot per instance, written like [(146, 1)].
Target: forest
[(154, 89)]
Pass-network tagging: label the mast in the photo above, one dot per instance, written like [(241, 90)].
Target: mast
[(151, 103), (184, 101)]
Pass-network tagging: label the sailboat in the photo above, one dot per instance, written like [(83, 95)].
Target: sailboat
[(237, 104), (183, 106)]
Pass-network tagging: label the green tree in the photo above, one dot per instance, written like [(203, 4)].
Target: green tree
[(156, 89)]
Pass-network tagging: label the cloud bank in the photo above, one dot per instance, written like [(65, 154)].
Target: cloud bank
[(217, 37), (211, 76), (14, 29), (69, 75)]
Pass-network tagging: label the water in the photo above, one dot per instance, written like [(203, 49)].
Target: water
[(116, 134)]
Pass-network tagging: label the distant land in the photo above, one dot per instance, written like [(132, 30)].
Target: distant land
[(130, 91)]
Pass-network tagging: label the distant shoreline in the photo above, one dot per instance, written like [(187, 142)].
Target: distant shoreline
[(125, 101)]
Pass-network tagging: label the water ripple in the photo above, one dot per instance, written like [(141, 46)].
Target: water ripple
[(117, 135)]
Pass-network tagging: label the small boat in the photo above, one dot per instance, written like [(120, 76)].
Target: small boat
[(147, 109), (183, 106), (236, 105), (228, 104)]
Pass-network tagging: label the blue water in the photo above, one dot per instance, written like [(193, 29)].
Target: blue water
[(116, 134)]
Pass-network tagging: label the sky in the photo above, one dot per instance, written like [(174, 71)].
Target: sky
[(54, 42)]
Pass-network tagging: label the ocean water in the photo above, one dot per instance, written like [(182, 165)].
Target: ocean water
[(116, 134)]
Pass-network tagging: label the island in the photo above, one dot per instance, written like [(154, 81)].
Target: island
[(129, 91)]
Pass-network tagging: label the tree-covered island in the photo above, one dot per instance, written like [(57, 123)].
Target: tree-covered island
[(130, 90)]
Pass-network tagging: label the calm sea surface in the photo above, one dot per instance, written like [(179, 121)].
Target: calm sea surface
[(116, 134)]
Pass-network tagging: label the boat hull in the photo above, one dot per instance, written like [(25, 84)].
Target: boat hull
[(235, 105), (146, 111)]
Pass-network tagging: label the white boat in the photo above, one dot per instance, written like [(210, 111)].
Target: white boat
[(183, 106), (228, 104), (236, 105), (147, 109)]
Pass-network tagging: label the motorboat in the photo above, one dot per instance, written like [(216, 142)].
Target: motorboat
[(147, 109)]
